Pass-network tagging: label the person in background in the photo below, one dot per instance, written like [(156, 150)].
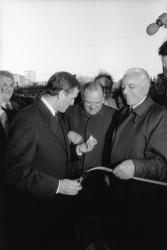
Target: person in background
[(3, 140), (158, 89), (7, 86), (37, 171), (139, 150), (106, 82), (3, 132)]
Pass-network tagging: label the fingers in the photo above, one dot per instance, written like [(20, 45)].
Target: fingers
[(69, 187), (74, 188), (120, 173), (91, 142)]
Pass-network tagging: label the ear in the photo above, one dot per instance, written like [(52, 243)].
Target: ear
[(61, 94)]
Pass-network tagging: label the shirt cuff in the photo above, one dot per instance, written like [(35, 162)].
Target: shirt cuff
[(57, 191), (77, 150)]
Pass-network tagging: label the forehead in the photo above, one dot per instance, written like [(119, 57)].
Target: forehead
[(93, 95), (6, 80), (131, 79)]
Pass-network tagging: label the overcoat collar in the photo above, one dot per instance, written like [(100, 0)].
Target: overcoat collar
[(85, 113), (143, 107), (139, 110)]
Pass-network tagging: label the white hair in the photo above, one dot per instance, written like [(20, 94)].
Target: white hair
[(140, 74)]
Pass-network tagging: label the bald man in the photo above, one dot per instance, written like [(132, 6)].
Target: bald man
[(91, 119), (139, 149)]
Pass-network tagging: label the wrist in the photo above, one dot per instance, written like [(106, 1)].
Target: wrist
[(78, 150)]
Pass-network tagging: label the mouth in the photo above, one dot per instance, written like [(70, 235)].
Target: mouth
[(92, 111)]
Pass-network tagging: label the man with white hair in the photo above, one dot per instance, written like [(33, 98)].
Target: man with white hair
[(139, 149), (139, 144)]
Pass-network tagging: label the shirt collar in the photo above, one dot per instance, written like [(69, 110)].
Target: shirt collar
[(143, 107), (100, 113), (47, 104), (136, 105)]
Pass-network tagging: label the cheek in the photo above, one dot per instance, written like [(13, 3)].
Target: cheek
[(87, 106), (98, 106)]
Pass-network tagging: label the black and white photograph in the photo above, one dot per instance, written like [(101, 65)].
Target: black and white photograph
[(83, 125)]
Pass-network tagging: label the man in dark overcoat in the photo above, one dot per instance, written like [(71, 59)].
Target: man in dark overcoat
[(37, 171)]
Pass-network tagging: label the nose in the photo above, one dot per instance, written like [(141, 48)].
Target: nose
[(92, 106), (125, 90), (72, 102)]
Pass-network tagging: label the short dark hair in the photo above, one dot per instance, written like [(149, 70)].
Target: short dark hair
[(6, 74), (61, 81), (106, 75), (163, 49)]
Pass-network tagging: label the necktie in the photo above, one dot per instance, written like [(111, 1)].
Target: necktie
[(56, 118)]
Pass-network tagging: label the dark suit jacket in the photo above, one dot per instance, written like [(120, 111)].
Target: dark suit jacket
[(3, 141), (142, 137), (37, 157), (100, 126), (140, 206), (37, 153)]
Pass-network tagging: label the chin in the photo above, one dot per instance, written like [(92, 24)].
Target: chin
[(63, 111), (93, 112)]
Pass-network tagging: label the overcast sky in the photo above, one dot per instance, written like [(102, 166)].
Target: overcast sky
[(80, 36)]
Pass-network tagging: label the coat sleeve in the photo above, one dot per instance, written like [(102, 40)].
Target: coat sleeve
[(19, 164), (154, 162)]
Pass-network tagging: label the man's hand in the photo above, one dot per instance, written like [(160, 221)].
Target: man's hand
[(74, 137), (87, 146), (69, 187), (125, 170)]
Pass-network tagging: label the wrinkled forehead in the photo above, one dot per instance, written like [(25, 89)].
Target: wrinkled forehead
[(130, 78), (93, 94), (134, 77)]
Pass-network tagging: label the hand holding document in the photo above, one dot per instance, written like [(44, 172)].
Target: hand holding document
[(88, 145), (95, 172), (91, 142)]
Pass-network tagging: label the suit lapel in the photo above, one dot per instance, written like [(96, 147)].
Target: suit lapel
[(54, 126)]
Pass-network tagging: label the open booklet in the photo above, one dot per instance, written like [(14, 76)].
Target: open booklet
[(106, 170), (96, 169)]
